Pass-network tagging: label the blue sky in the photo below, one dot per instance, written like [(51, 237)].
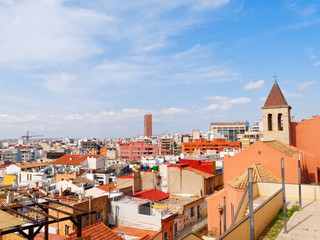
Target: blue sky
[(94, 68)]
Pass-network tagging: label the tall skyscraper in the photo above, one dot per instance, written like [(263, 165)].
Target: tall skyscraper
[(148, 125)]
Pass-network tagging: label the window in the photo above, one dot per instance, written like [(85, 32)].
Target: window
[(66, 230), (97, 215), (165, 235), (269, 122), (192, 211), (145, 209), (280, 122)]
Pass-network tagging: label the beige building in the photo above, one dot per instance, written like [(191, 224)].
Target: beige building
[(229, 129), (249, 138), (189, 180), (139, 181)]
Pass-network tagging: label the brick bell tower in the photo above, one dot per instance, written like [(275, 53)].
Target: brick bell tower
[(276, 117)]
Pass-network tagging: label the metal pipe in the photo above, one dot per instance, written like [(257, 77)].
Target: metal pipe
[(299, 176), (224, 215), (220, 223), (232, 212), (284, 198), (250, 188)]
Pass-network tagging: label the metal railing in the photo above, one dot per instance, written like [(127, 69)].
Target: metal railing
[(193, 227)]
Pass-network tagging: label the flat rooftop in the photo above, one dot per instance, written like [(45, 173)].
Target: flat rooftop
[(132, 200), (180, 200)]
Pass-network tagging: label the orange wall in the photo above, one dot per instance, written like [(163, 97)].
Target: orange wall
[(232, 196), (103, 151), (65, 176), (204, 145), (260, 152), (167, 225), (305, 135)]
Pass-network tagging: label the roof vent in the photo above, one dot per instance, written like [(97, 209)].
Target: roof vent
[(71, 158)]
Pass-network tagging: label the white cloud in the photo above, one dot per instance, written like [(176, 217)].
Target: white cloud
[(287, 94), (58, 83), (254, 85), (263, 99), (47, 32), (224, 103), (310, 53), (120, 72), (174, 111), (304, 85), (309, 11)]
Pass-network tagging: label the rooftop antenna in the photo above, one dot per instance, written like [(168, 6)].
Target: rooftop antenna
[(275, 76)]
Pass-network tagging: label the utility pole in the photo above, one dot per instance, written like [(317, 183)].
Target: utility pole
[(284, 198), (250, 189), (224, 215), (299, 176)]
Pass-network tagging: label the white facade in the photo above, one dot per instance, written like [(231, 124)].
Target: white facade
[(64, 184), (13, 169), (100, 178), (125, 212), (163, 168), (94, 192), (94, 163)]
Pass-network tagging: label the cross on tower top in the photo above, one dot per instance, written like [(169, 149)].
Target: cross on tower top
[(275, 76)]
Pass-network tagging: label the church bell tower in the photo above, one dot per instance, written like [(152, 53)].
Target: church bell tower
[(276, 117)]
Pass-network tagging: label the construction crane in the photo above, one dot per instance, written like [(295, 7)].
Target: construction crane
[(30, 136)]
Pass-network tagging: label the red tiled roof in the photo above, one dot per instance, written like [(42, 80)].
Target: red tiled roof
[(275, 98), (152, 194), (52, 236), (146, 237), (97, 231), (107, 187), (135, 232), (205, 170), (129, 176), (73, 159), (22, 147)]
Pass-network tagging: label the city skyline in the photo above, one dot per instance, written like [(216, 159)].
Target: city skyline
[(94, 69)]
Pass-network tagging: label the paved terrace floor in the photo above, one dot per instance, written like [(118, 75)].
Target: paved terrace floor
[(305, 223)]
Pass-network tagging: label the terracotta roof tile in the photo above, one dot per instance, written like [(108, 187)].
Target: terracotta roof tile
[(135, 232), (275, 98), (281, 147), (259, 174), (78, 180), (97, 231), (204, 174), (32, 165), (4, 202), (52, 236), (111, 186), (73, 159)]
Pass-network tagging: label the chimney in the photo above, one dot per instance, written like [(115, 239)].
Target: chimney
[(9, 197), (60, 191), (80, 197), (90, 203)]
